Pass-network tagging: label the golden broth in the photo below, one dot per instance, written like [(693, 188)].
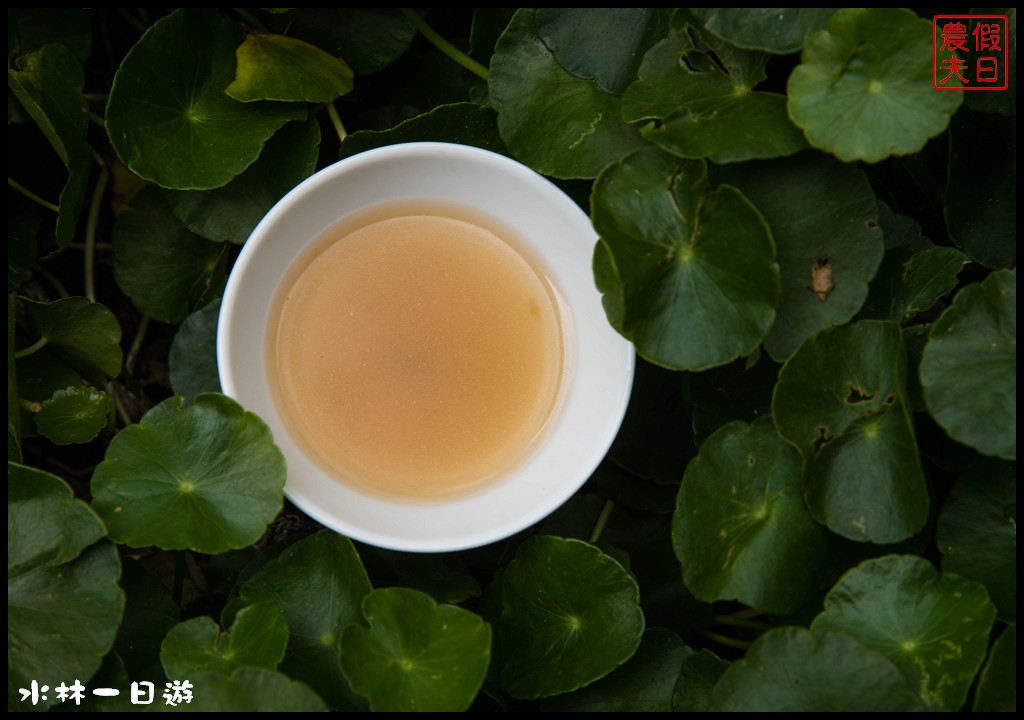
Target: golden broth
[(414, 352)]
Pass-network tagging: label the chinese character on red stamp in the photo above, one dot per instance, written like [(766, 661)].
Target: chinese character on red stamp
[(969, 52)]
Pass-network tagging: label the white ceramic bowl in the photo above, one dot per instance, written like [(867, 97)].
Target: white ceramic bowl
[(599, 362)]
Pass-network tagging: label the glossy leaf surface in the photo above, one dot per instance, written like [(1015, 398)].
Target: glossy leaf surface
[(205, 476)]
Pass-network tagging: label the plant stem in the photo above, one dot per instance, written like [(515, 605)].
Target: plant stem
[(97, 120), (31, 405), (734, 621), (725, 640), (250, 18), (133, 352), (444, 46), (31, 195), (332, 113), (119, 407), (52, 279), (33, 348), (90, 232), (96, 97), (602, 520)]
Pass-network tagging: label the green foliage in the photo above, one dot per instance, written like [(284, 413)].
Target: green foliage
[(793, 670), (865, 95), (690, 270), (741, 529), (275, 67), (934, 626), (416, 655), (570, 615), (813, 251), (63, 602), (205, 476), (256, 639)]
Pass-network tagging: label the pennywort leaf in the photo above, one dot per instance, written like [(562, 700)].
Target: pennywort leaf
[(73, 415), (570, 615), (864, 88), (163, 267), (934, 626), (969, 367), (741, 529), (824, 220), (205, 476), (63, 602), (688, 273), (774, 30), (790, 669), (977, 532), (256, 639), (319, 584), (841, 400), (83, 335), (553, 112), (416, 654)]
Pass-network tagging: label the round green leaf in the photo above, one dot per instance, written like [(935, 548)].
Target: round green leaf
[(206, 477), (981, 187), (824, 220), (556, 122), (73, 415), (997, 688), (248, 690), (644, 683), (257, 638), (416, 654), (83, 334), (775, 30), (693, 269), (934, 626), (231, 213), (318, 583), (864, 88), (462, 123), (741, 530), (792, 670), (192, 362), (977, 532), (63, 602), (969, 368), (841, 400), (570, 615), (277, 67), (168, 116), (698, 676), (158, 263)]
